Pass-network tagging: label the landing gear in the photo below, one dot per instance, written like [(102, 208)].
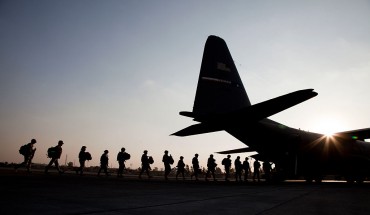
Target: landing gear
[(353, 179), (310, 179)]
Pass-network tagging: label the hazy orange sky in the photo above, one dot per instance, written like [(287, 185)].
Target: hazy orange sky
[(112, 74)]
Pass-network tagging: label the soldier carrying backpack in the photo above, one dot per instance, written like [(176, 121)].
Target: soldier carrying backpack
[(104, 160), (167, 160), (122, 156), (54, 153), (83, 156), (28, 152)]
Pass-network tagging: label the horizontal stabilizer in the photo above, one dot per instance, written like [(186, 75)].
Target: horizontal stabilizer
[(187, 114), (200, 128), (236, 151), (360, 134), (278, 104)]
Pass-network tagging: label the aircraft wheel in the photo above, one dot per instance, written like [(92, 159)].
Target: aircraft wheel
[(360, 180), (308, 180), (318, 180), (350, 180)]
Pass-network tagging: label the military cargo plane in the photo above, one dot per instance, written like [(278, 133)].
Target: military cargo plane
[(221, 103)]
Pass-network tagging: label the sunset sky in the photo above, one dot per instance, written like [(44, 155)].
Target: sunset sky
[(112, 74)]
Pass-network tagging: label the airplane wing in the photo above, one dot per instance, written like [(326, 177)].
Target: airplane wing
[(360, 134)]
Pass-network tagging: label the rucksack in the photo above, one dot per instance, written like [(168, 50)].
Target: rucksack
[(23, 150), (88, 156), (123, 156), (52, 152), (223, 162), (126, 156), (170, 160), (150, 160)]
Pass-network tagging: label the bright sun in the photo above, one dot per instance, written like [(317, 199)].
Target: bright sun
[(328, 126)]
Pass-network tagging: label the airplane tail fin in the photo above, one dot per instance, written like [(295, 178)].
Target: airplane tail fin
[(221, 100), (220, 89)]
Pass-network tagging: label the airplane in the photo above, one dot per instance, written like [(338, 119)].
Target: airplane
[(222, 104)]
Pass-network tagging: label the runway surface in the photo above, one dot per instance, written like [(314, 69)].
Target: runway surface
[(38, 193)]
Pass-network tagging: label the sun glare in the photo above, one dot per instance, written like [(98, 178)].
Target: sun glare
[(328, 127)]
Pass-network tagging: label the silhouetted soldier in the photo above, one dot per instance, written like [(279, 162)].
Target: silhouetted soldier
[(167, 160), (227, 163), (238, 169), (211, 166), (181, 168), (28, 152), (104, 160), (122, 156), (54, 153), (256, 170), (266, 166), (145, 166), (247, 169), (195, 163), (82, 157)]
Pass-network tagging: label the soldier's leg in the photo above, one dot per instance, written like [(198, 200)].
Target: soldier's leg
[(21, 164), (57, 166), (82, 167), (99, 171), (106, 170), (147, 172), (119, 173), (49, 165), (28, 163)]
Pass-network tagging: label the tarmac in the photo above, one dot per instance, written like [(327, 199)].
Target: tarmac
[(38, 193)]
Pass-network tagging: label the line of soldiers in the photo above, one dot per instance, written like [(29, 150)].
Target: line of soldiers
[(211, 167), (54, 153), (28, 151)]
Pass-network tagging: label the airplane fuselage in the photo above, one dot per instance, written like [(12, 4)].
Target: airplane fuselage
[(301, 153)]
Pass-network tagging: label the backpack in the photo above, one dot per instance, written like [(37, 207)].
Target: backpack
[(223, 162), (88, 156), (150, 160), (51, 152), (170, 160), (126, 156), (23, 150), (123, 156)]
